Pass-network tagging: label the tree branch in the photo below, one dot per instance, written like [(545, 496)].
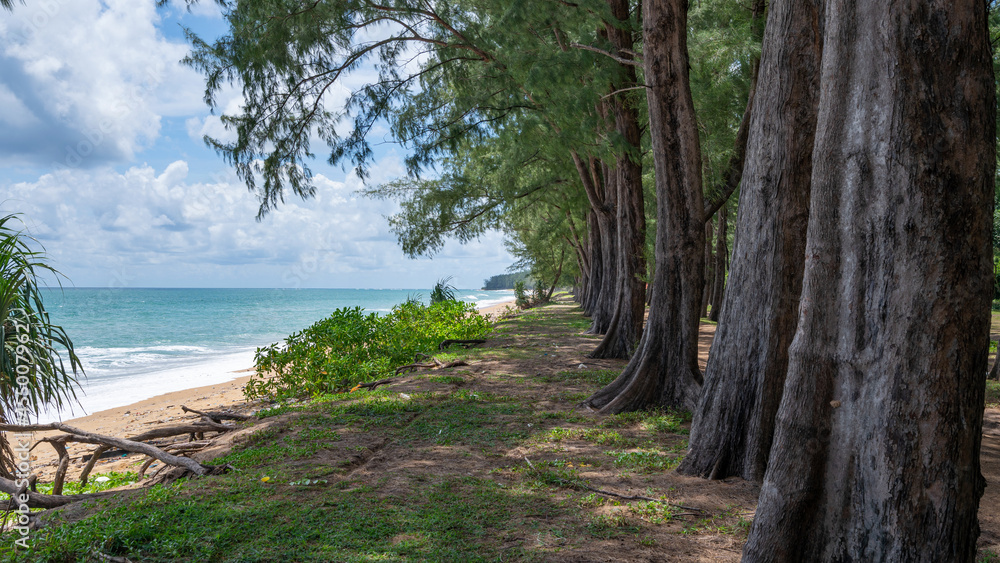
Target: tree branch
[(621, 60)]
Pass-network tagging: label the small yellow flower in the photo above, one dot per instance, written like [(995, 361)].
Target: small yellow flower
[(265, 479)]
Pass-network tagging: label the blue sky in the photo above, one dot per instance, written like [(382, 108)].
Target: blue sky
[(101, 150)]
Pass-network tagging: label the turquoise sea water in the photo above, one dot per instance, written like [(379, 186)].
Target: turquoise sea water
[(137, 343)]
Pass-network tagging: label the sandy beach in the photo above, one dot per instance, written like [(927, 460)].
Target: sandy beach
[(135, 418)]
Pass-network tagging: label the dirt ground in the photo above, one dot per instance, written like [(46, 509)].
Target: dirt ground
[(539, 374)]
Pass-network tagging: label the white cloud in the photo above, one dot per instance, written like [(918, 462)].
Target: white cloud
[(13, 112), (211, 125), (156, 228), (206, 8), (99, 74)]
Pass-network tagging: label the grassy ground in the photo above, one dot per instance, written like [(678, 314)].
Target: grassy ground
[(492, 462)]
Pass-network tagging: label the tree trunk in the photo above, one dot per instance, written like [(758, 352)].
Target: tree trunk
[(604, 307), (876, 453), (600, 188), (994, 373), (721, 263), (596, 260), (664, 370), (623, 332), (555, 280), (733, 427), (706, 294), (580, 282)]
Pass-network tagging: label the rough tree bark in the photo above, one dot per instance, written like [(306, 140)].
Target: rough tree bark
[(581, 282), (596, 265), (734, 424), (600, 301), (623, 332), (877, 443), (706, 293), (721, 262), (607, 228), (664, 369)]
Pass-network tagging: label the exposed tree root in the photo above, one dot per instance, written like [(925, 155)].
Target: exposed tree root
[(375, 384), (435, 364), (579, 484), (218, 417), (39, 500)]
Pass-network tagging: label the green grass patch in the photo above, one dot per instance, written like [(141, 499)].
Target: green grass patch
[(447, 379), (729, 522), (645, 460), (472, 419), (599, 377), (993, 394), (613, 525), (96, 483), (653, 512), (600, 436), (242, 520)]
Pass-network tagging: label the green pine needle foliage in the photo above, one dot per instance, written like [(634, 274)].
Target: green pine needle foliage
[(352, 346)]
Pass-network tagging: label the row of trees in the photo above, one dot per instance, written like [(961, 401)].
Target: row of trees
[(505, 281), (847, 371)]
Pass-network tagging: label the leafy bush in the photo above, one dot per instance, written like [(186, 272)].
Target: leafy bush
[(521, 298), (538, 294), (525, 301), (351, 347)]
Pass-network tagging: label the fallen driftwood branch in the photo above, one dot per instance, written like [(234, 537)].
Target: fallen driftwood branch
[(178, 429), (57, 483), (106, 445), (462, 343), (85, 474), (120, 443), (39, 500), (216, 416)]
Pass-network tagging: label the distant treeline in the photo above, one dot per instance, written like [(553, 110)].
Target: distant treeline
[(507, 281)]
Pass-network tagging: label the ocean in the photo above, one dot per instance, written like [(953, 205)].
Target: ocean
[(138, 343)]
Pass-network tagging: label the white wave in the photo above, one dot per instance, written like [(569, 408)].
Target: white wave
[(102, 393)]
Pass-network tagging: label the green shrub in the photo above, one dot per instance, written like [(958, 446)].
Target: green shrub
[(351, 347), (521, 298)]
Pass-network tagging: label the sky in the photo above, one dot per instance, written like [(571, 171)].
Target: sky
[(101, 152)]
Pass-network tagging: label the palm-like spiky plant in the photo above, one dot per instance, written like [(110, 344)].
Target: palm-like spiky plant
[(34, 351), (443, 291)]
